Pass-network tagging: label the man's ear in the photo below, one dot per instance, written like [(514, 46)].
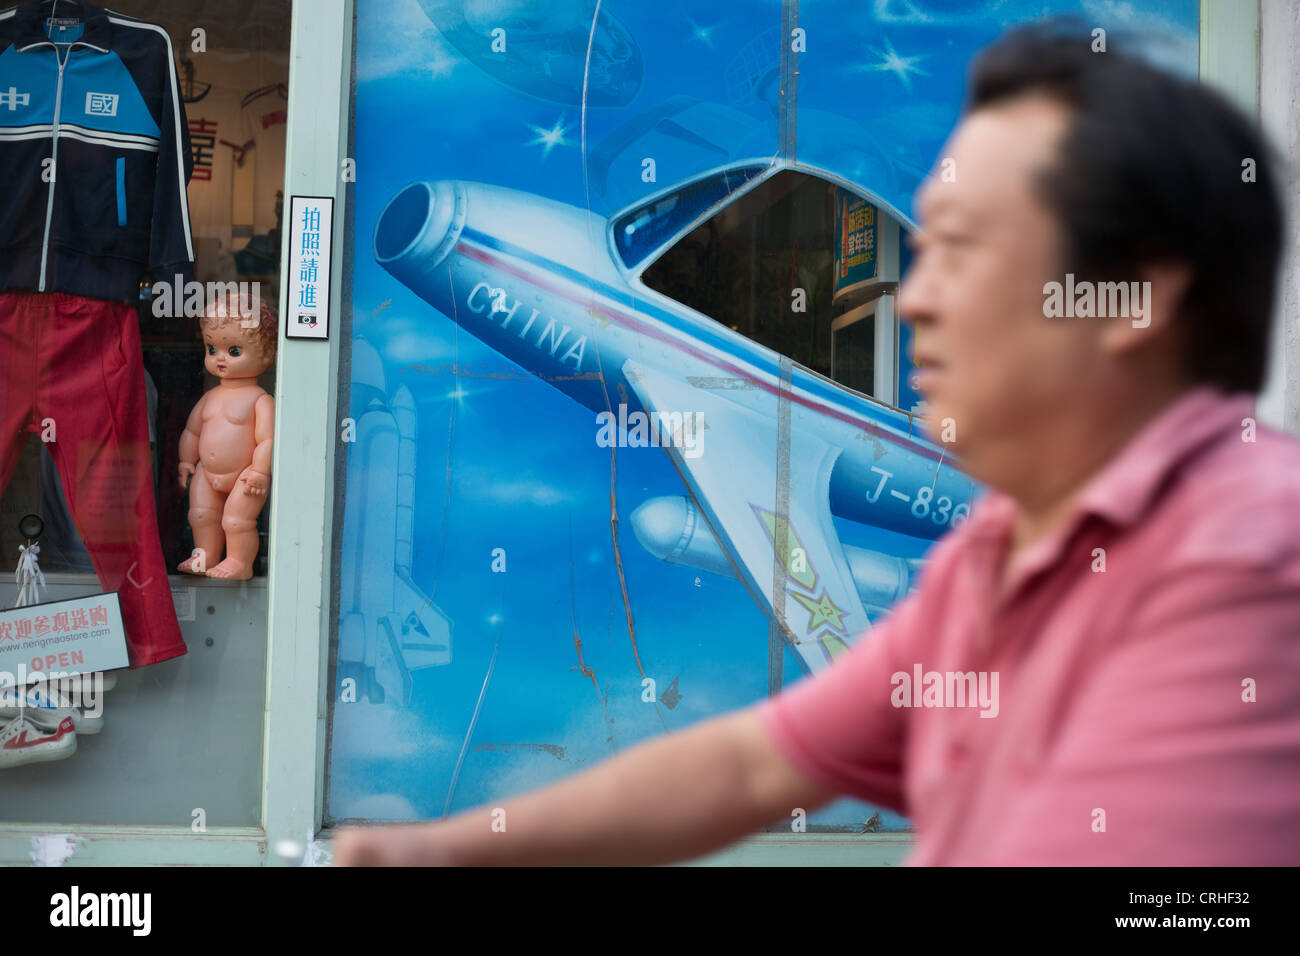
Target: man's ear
[(1152, 307)]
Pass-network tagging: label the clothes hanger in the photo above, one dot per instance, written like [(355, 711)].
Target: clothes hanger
[(74, 8), (78, 5), (188, 85)]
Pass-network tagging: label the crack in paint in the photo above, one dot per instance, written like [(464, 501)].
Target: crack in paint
[(778, 632), (465, 371), (613, 468), (555, 750), (469, 731), (577, 644)]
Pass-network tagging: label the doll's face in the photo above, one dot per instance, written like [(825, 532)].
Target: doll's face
[(232, 353)]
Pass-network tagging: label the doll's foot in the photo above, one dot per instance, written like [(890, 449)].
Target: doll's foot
[(230, 568), (194, 564)]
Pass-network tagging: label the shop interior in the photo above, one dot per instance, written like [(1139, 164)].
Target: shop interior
[(741, 266), (235, 90), (181, 739)]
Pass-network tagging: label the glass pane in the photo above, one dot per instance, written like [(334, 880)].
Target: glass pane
[(644, 230), (855, 354), (144, 411), (764, 266), (524, 587)]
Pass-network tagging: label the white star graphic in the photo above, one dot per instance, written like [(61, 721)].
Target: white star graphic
[(900, 66), (548, 139), (703, 34)]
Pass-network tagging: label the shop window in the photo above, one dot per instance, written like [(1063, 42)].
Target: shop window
[(853, 353), (104, 420), (642, 231), (763, 266)]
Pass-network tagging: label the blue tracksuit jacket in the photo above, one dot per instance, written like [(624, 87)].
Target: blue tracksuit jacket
[(94, 152)]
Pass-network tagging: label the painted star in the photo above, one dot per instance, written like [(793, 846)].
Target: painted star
[(548, 139), (822, 611), (703, 34), (900, 66)]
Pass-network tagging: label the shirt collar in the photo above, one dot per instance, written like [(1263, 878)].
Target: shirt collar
[(1126, 486), (28, 29), (1124, 489)]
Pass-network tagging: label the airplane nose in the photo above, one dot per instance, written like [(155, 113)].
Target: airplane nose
[(419, 227)]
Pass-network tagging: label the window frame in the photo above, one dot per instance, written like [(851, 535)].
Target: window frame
[(322, 50)]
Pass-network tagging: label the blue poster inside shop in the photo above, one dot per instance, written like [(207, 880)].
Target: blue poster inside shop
[(855, 240), (603, 485)]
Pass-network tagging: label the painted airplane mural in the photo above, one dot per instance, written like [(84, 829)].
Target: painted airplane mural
[(517, 271), (568, 476)]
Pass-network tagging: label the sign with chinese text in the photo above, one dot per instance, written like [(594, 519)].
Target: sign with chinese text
[(77, 636), (855, 241), (307, 315)]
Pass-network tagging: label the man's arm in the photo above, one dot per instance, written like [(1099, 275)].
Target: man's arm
[(684, 795), (671, 798)]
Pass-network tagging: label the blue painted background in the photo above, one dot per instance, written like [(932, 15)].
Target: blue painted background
[(505, 461)]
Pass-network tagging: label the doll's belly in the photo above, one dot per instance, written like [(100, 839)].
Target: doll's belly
[(226, 448)]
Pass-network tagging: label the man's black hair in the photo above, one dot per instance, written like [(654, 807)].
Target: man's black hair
[(1151, 169)]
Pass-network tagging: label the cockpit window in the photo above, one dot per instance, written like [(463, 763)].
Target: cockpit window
[(764, 266), (646, 228)]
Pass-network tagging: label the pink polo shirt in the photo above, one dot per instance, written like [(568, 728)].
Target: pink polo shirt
[(1147, 709)]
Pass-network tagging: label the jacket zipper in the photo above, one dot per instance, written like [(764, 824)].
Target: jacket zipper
[(54, 167)]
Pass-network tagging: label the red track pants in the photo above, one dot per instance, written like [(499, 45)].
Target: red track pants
[(71, 368)]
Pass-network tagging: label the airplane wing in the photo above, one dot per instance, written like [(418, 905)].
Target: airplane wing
[(782, 544)]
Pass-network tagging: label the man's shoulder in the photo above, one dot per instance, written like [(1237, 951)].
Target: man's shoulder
[(1236, 502)]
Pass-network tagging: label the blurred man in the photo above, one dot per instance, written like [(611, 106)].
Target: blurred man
[(1103, 665)]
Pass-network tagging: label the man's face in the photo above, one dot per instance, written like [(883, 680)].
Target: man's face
[(993, 368), (231, 352)]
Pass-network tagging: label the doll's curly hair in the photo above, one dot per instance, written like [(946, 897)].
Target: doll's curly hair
[(226, 308)]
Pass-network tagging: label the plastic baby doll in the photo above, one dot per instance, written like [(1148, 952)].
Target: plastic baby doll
[(226, 445)]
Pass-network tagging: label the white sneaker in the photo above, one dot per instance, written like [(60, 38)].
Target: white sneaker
[(45, 709), (23, 742)]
